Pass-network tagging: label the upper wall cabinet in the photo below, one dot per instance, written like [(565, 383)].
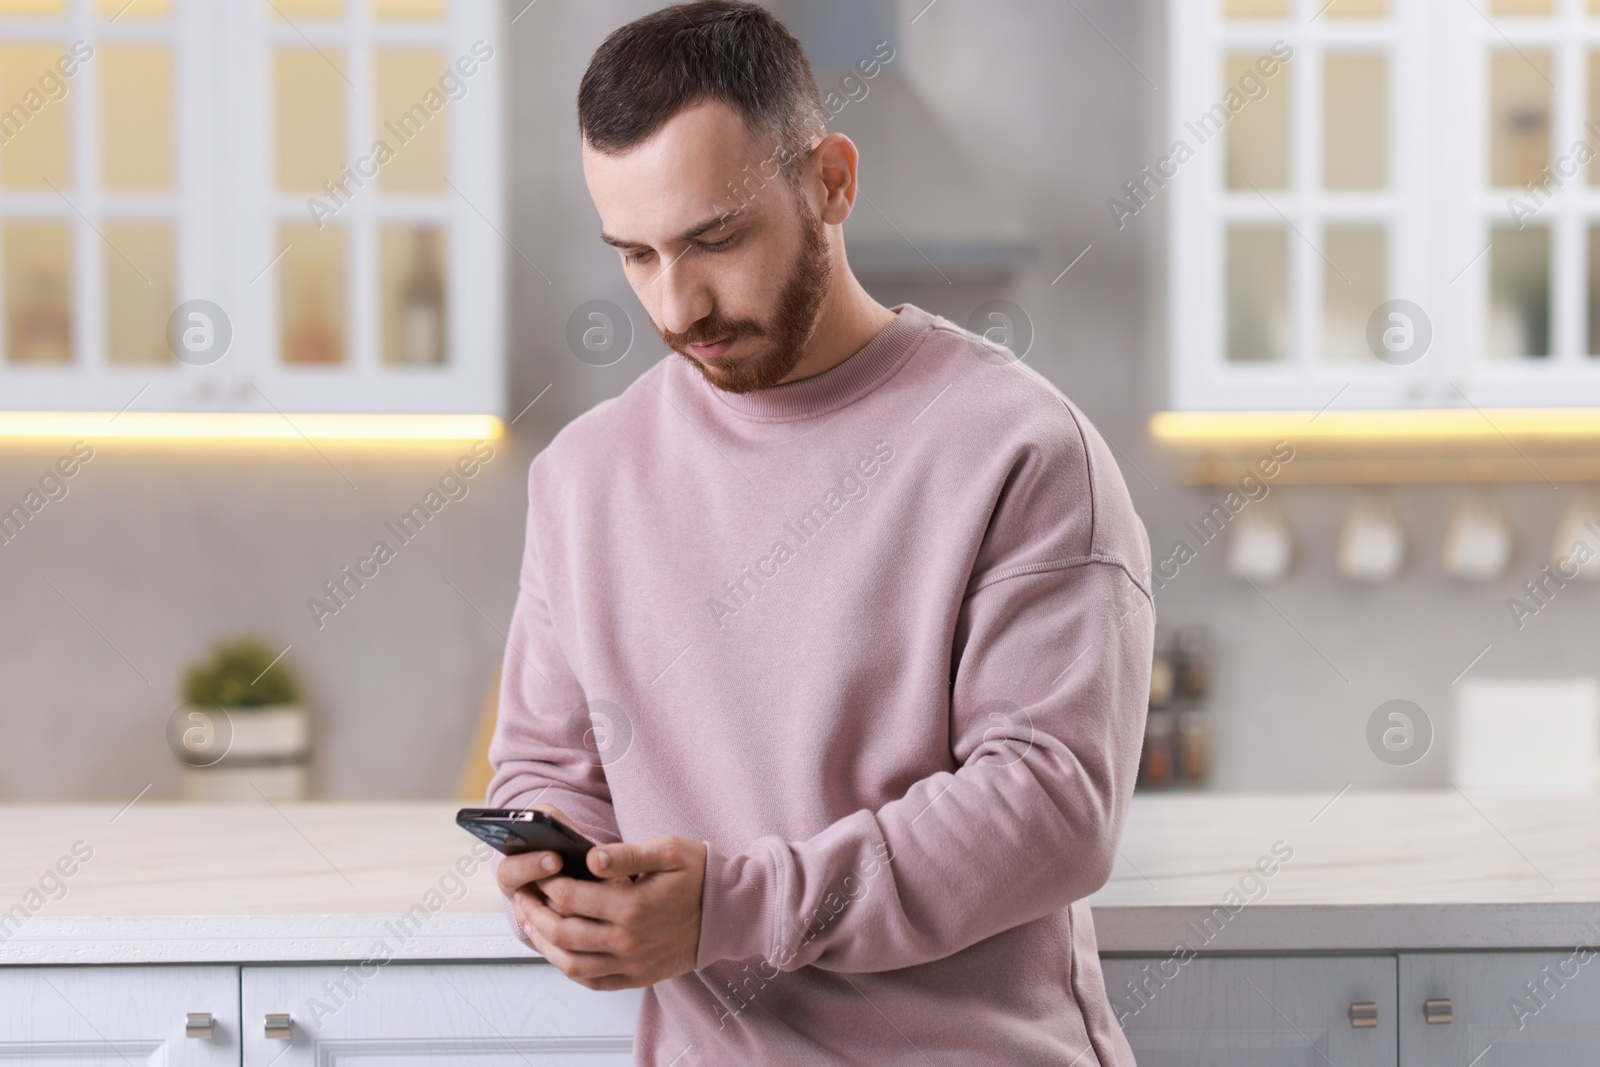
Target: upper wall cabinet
[(258, 205), (1387, 201)]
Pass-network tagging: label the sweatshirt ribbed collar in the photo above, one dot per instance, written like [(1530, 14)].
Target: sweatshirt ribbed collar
[(839, 386)]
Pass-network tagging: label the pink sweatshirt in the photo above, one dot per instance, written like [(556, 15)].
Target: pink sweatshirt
[(881, 639)]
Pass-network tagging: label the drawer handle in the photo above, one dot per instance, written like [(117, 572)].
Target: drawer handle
[(1364, 1014), (198, 1024), (1438, 1011), (279, 1026)]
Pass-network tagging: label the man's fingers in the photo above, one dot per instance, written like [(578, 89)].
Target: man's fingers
[(517, 871), (554, 953), (522, 904), (571, 933), (593, 900), (550, 933), (600, 902), (625, 859)]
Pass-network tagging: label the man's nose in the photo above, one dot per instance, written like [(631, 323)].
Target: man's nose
[(685, 298)]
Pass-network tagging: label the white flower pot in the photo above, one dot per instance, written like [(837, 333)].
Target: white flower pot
[(265, 752)]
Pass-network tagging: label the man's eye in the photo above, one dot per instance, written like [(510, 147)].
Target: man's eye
[(716, 246), (638, 257)]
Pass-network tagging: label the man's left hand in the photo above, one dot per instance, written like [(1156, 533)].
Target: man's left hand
[(638, 927)]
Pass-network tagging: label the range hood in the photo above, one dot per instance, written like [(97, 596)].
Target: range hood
[(924, 212)]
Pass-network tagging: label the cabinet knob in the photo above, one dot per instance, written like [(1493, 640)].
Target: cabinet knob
[(1438, 1011), (1364, 1014), (279, 1026), (198, 1024)]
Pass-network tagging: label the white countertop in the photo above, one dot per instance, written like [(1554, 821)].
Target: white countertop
[(252, 882), (171, 883), (1379, 871)]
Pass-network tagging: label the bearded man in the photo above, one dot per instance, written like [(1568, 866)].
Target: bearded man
[(823, 629)]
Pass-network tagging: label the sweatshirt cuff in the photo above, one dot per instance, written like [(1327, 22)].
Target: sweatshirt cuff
[(736, 906)]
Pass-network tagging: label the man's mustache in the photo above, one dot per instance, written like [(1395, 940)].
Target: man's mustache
[(712, 329)]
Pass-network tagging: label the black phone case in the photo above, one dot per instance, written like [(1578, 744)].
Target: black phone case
[(513, 831)]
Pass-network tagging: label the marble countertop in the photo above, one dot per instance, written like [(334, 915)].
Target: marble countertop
[(1370, 871), (285, 882)]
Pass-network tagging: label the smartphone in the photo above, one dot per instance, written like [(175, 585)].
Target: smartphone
[(516, 830)]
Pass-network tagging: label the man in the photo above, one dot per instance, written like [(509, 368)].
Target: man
[(826, 617)]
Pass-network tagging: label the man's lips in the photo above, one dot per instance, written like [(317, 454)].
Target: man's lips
[(712, 350)]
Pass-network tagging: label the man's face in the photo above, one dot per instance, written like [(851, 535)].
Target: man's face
[(732, 280)]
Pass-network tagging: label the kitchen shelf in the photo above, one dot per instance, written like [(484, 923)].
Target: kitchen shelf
[(1439, 445)]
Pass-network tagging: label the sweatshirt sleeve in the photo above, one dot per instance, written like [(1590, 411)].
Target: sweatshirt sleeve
[(540, 752), (1051, 669)]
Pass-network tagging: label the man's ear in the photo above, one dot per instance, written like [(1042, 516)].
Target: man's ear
[(834, 163)]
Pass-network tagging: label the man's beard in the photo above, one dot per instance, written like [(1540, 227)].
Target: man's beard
[(790, 330)]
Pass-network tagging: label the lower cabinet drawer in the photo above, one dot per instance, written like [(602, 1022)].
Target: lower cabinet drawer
[(120, 1016), (1256, 1011), (1502, 1009), (483, 1014)]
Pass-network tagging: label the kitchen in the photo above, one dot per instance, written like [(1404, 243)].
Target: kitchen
[(1374, 669)]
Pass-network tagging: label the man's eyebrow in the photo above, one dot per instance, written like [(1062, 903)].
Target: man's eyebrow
[(697, 230)]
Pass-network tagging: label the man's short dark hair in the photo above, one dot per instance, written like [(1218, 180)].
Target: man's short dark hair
[(715, 50)]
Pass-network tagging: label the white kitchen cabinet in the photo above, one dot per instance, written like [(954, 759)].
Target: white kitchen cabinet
[(1533, 1009), (484, 1014), (1254, 1011), (1381, 880), (323, 178), (101, 1016), (1390, 203)]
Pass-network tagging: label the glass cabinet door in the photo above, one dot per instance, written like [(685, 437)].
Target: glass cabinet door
[(91, 222), (1391, 202), (317, 180), (1292, 147), (375, 225)]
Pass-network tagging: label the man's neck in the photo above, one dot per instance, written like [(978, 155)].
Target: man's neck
[(849, 319)]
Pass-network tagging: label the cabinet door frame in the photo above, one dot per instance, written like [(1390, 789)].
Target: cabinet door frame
[(1480, 986), (450, 1011), (469, 209), (1300, 1004), (91, 381), (1438, 207), (119, 1013), (225, 213)]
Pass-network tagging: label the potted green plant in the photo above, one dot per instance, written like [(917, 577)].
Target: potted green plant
[(243, 731)]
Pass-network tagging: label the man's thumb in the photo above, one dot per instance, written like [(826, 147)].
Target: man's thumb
[(625, 859)]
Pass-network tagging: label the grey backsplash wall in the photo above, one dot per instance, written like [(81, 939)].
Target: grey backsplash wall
[(158, 550)]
